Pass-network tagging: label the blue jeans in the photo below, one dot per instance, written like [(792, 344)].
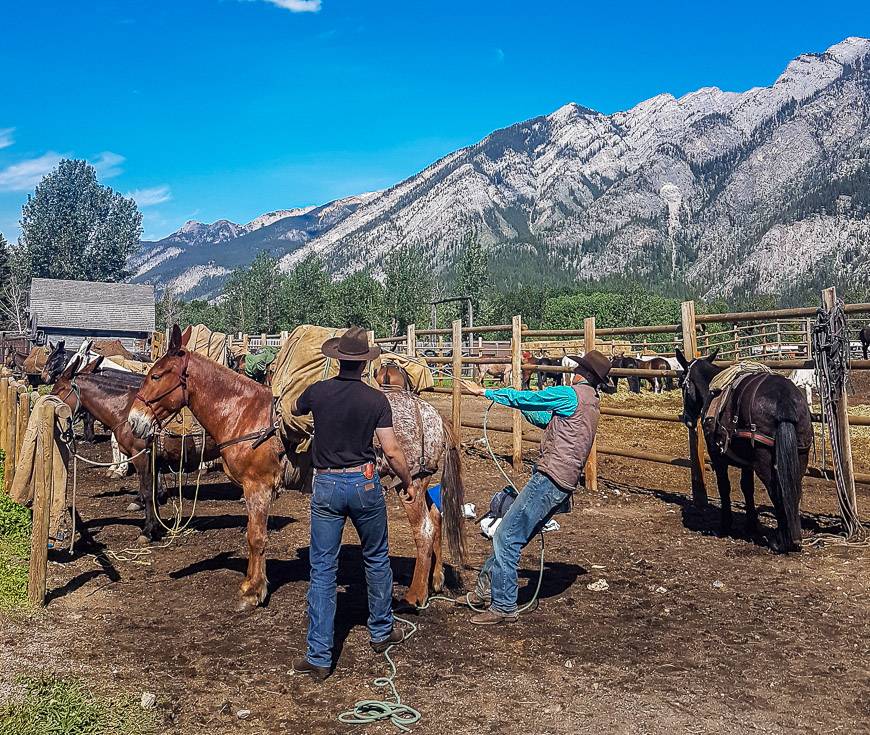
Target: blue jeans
[(534, 506), (336, 498)]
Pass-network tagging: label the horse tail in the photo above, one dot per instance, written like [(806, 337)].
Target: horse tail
[(453, 496), (788, 480)]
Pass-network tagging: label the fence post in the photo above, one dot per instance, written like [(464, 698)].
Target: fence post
[(411, 341), (517, 382), (23, 418), (284, 335), (42, 488), (841, 426), (4, 412), (11, 432), (735, 335), (696, 438), (591, 471), (457, 378)]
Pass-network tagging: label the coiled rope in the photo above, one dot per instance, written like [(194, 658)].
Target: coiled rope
[(830, 343)]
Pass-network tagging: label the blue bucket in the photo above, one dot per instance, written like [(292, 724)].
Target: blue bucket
[(434, 494)]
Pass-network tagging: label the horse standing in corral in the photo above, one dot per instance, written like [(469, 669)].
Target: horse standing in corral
[(761, 425), (239, 413), (542, 375), (864, 337), (108, 395), (805, 379), (501, 372), (390, 376), (657, 384), (626, 362)]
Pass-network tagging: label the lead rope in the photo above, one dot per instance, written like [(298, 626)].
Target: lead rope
[(399, 714), (830, 345)]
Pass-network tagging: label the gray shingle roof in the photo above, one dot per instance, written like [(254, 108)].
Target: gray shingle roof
[(92, 305)]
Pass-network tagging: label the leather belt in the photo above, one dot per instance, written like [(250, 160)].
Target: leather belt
[(340, 470)]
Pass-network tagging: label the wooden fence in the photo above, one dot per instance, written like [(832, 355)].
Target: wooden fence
[(774, 333)]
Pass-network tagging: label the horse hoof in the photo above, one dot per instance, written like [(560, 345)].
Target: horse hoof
[(134, 508), (246, 603), (143, 540)]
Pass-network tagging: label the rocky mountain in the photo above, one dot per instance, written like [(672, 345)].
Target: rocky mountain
[(196, 259), (733, 192)]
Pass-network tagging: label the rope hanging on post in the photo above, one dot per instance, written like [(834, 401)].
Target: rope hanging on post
[(830, 343)]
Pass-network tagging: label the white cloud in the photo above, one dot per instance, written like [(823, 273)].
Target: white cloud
[(151, 196), (297, 6), (108, 164), (6, 139), (25, 175)]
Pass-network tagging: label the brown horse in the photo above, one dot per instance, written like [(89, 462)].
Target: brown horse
[(107, 395), (238, 412), (390, 376)]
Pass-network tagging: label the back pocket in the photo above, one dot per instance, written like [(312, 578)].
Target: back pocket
[(370, 492)]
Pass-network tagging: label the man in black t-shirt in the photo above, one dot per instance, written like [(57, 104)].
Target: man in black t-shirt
[(347, 414)]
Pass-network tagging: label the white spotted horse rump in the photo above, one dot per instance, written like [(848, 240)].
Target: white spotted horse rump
[(420, 432)]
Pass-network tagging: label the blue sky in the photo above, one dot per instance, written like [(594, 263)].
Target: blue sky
[(231, 108)]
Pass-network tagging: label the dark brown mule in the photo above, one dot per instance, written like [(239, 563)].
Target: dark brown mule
[(238, 412), (763, 427), (108, 395), (864, 336)]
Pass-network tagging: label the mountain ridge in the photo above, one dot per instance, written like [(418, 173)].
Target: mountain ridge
[(712, 188)]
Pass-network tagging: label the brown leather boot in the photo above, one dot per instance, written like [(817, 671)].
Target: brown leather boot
[(474, 600), (493, 617), (395, 638), (302, 665)]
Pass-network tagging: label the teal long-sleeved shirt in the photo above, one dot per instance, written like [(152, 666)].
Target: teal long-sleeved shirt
[(537, 406)]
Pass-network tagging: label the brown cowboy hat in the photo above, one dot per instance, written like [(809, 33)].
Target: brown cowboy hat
[(596, 363), (352, 345)]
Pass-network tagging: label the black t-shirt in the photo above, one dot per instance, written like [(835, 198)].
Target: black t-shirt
[(346, 413)]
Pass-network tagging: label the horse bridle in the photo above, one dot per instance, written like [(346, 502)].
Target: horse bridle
[(182, 383)]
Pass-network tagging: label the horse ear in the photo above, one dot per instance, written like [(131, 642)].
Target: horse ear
[(174, 340), (71, 369), (50, 346), (185, 337), (712, 356), (92, 367), (681, 358), (60, 346)]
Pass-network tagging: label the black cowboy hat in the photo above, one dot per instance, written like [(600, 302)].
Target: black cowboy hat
[(596, 363), (352, 345)]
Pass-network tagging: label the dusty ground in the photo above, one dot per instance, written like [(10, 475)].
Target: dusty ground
[(696, 633)]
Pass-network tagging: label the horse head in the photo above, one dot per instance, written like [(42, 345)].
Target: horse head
[(164, 390), (695, 384), (54, 363)]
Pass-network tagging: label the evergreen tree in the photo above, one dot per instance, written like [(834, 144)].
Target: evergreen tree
[(305, 295), (74, 227), (407, 288), (473, 272)]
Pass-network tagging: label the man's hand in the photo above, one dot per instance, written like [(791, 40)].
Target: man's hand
[(473, 388), (396, 459)]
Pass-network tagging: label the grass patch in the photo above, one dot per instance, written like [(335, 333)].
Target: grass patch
[(50, 706), (14, 549)]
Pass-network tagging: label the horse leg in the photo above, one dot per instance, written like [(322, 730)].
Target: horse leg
[(423, 531), (747, 486), (151, 528), (724, 484), (437, 550), (88, 428), (253, 589)]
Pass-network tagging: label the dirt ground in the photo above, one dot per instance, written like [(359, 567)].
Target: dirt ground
[(696, 633)]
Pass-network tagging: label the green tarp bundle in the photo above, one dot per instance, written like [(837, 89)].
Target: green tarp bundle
[(257, 364)]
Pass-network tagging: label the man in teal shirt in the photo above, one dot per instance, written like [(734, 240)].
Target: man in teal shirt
[(569, 416)]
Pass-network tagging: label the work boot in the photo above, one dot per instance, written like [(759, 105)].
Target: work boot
[(494, 617), (394, 639), (302, 665), (474, 600)]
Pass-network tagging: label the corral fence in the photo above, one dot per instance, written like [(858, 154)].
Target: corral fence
[(781, 339)]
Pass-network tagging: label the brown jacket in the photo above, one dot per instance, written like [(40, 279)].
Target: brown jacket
[(567, 440)]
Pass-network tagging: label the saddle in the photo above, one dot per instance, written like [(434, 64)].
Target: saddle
[(728, 416)]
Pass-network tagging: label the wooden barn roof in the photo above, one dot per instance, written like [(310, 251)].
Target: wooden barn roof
[(91, 305)]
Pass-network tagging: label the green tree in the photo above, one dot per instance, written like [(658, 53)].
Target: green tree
[(407, 289), (358, 300), (74, 227), (473, 272), (305, 295), (14, 285)]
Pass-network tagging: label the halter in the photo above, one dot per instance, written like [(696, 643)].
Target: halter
[(182, 383)]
